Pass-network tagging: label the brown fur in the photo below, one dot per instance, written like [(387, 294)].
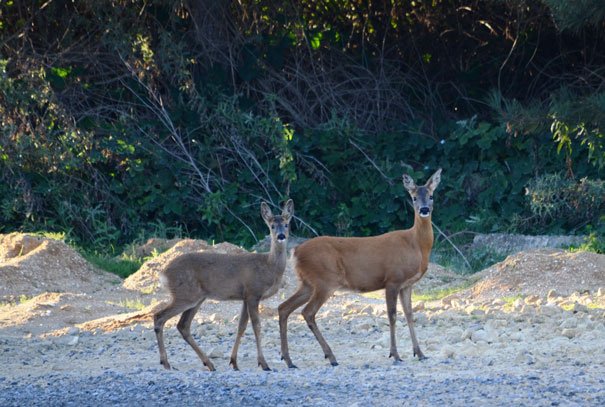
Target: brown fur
[(393, 261), (194, 277)]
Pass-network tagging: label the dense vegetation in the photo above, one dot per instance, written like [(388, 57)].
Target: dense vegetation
[(122, 119)]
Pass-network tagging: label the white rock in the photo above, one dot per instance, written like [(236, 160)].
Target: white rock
[(569, 333), (215, 353), (421, 319), (447, 352), (73, 341), (483, 336), (552, 294), (569, 323), (364, 326), (419, 306)]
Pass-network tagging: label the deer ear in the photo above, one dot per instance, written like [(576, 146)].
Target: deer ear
[(408, 183), (434, 180), (288, 210), (265, 212)]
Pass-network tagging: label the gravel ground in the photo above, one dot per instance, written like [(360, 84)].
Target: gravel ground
[(404, 384), (518, 358), (531, 332)]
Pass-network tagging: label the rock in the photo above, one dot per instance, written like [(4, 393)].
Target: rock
[(524, 357), (483, 336), (498, 302), (552, 294), (601, 292), (215, 353), (447, 300), (367, 310), (504, 243), (214, 318), (577, 307), (569, 333), (73, 340), (473, 310), (364, 326), (421, 319), (528, 310), (569, 323), (447, 352), (550, 310), (419, 306)]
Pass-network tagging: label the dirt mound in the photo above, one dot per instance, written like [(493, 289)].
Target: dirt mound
[(538, 271), (154, 245), (146, 279), (30, 265)]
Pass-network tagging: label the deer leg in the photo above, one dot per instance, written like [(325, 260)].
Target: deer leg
[(254, 318), (405, 295), (390, 294), (184, 327), (300, 297), (241, 327), (318, 298), (159, 320)]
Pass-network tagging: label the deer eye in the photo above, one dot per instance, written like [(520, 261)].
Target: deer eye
[(272, 226), (431, 197), (286, 226), (414, 198)]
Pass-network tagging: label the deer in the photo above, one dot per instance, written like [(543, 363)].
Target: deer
[(393, 261), (250, 277)]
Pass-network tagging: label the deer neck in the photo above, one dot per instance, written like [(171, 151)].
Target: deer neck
[(278, 254), (423, 229)]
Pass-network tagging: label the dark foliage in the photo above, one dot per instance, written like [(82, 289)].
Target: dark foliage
[(123, 119)]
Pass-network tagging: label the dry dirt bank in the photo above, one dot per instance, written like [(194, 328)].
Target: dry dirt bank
[(529, 331)]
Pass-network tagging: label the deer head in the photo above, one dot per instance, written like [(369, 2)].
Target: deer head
[(278, 224), (422, 196)]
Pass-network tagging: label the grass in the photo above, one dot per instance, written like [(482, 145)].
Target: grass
[(122, 266), (437, 294), (464, 260), (430, 295), (136, 305), (593, 243), (21, 300)]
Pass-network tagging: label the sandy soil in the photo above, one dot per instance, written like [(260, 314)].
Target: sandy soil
[(535, 311)]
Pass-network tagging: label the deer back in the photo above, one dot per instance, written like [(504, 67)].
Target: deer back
[(359, 263), (222, 276)]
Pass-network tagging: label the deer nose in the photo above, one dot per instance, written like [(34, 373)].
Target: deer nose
[(424, 211), (281, 236)]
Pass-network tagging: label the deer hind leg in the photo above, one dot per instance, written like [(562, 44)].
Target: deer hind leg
[(405, 295), (159, 320), (184, 327), (241, 328), (255, 319), (300, 297), (318, 298), (390, 294)]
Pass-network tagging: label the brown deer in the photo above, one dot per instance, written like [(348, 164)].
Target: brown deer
[(393, 261), (250, 277)]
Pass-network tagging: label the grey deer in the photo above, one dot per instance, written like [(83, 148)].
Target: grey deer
[(393, 261), (250, 277)]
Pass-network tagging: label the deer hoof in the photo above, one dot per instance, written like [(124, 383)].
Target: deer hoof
[(335, 363)]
